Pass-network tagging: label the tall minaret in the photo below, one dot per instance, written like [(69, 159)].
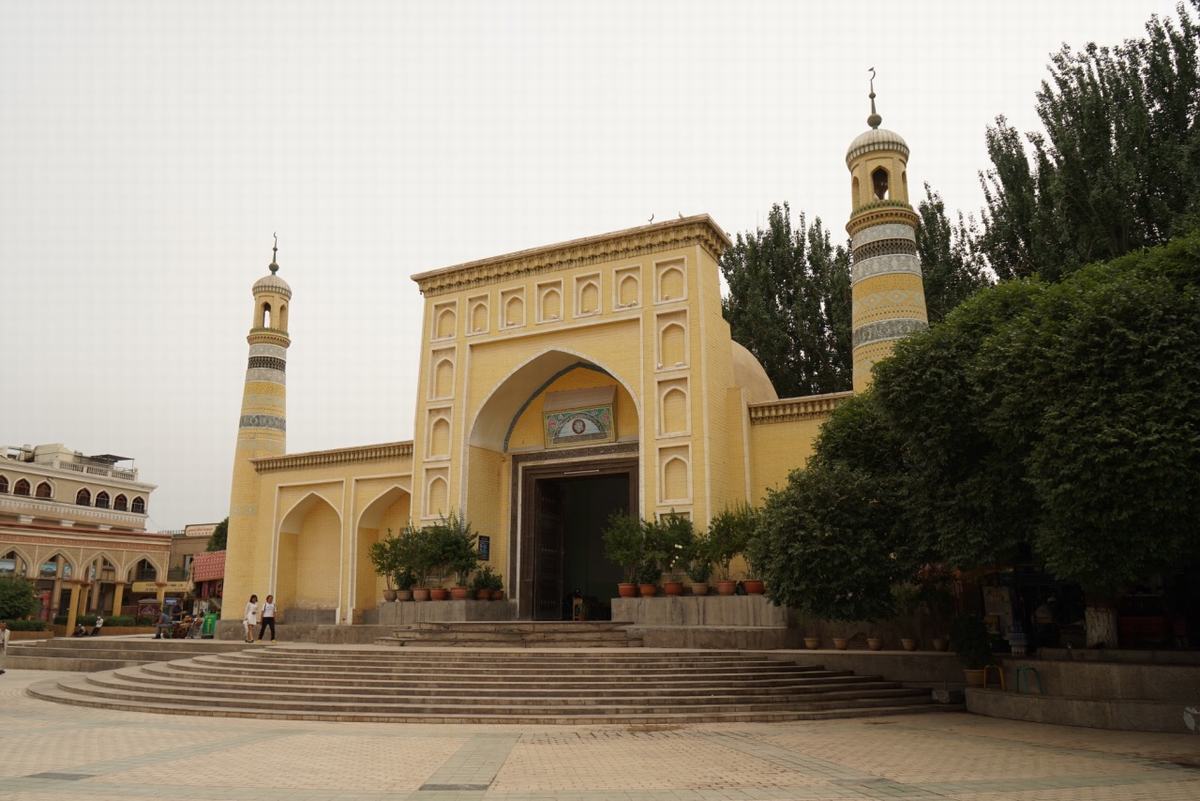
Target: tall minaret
[(888, 295), (261, 432)]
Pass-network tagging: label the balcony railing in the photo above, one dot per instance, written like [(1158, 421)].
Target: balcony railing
[(98, 470)]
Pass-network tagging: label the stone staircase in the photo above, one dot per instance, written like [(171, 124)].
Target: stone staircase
[(89, 654), (458, 685), (515, 634)]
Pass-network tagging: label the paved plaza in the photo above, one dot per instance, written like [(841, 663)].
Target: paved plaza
[(50, 751)]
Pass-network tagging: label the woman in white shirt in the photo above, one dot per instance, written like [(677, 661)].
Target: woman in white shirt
[(250, 617), (268, 618)]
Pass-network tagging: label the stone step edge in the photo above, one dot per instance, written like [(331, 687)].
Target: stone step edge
[(178, 709)]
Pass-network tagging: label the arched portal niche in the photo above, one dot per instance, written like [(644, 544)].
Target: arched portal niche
[(308, 560), (388, 513)]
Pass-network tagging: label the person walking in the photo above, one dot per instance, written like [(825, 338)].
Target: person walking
[(268, 618), (4, 634), (250, 617)]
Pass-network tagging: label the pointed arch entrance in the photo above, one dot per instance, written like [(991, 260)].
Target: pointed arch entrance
[(388, 513), (308, 559), (556, 490)]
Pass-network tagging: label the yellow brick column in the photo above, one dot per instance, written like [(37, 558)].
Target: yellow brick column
[(118, 596), (161, 593), (72, 608)]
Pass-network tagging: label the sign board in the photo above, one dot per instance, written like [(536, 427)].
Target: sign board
[(579, 416), (170, 586), (485, 547)]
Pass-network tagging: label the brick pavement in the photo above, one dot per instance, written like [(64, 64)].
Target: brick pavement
[(51, 752)]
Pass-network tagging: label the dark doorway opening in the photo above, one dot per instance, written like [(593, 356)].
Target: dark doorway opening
[(563, 546)]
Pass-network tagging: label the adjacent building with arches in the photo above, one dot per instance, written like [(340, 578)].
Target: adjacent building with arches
[(75, 525), (556, 386)]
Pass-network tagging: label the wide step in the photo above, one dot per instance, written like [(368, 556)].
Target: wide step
[(487, 685)]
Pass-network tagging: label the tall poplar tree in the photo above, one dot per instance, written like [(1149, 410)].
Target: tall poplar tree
[(789, 303), (1118, 165)]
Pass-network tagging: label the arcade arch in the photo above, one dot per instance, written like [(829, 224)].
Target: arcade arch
[(308, 558), (388, 512)]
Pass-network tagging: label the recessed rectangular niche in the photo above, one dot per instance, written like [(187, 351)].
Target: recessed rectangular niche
[(441, 374), (672, 340), (445, 320), (674, 409), (512, 307), (675, 474), (436, 494), (666, 514), (587, 295), (477, 315), (627, 287), (549, 302), (670, 281), (437, 439)]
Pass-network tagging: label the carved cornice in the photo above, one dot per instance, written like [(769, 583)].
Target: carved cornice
[(619, 245), (786, 410), (268, 336), (63, 510), (360, 453), (879, 213)]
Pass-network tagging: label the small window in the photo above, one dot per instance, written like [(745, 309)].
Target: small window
[(139, 506), (121, 503), (44, 490), (3, 485), (101, 500), (83, 498), (879, 183), (21, 487)]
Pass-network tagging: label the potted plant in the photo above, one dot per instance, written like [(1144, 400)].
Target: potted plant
[(699, 569), (841, 643), (497, 588), (647, 576), (970, 639), (668, 543), (728, 534), (385, 558), (937, 600), (483, 583), (812, 643), (417, 557), (625, 544), (405, 580)]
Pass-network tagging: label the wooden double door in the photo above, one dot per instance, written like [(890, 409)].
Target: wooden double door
[(564, 509)]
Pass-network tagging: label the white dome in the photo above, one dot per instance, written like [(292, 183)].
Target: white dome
[(749, 374), (272, 283), (876, 139)]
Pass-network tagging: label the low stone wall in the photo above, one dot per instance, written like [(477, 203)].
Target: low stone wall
[(105, 631), (1117, 713), (1122, 655), (403, 613), (1178, 683), (693, 610)]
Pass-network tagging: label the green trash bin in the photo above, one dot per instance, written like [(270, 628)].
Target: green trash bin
[(209, 629)]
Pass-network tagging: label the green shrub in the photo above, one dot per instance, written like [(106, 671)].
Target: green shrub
[(18, 598), (625, 544), (486, 579), (120, 620), (26, 625), (729, 533)]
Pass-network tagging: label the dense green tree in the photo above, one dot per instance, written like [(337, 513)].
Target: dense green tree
[(789, 303), (952, 268), (17, 598), (220, 534), (1117, 166)]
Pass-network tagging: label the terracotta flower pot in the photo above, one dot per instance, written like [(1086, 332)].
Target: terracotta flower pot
[(812, 643), (625, 590), (908, 643), (974, 678), (726, 587), (389, 595), (840, 643), (699, 588), (458, 593), (421, 593), (497, 595), (754, 587), (404, 595), (874, 643), (648, 590), (439, 593), (673, 587), (939, 643), (483, 595)]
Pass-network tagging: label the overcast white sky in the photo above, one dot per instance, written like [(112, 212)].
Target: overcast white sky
[(149, 149)]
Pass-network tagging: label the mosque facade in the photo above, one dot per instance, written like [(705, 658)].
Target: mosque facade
[(557, 385)]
